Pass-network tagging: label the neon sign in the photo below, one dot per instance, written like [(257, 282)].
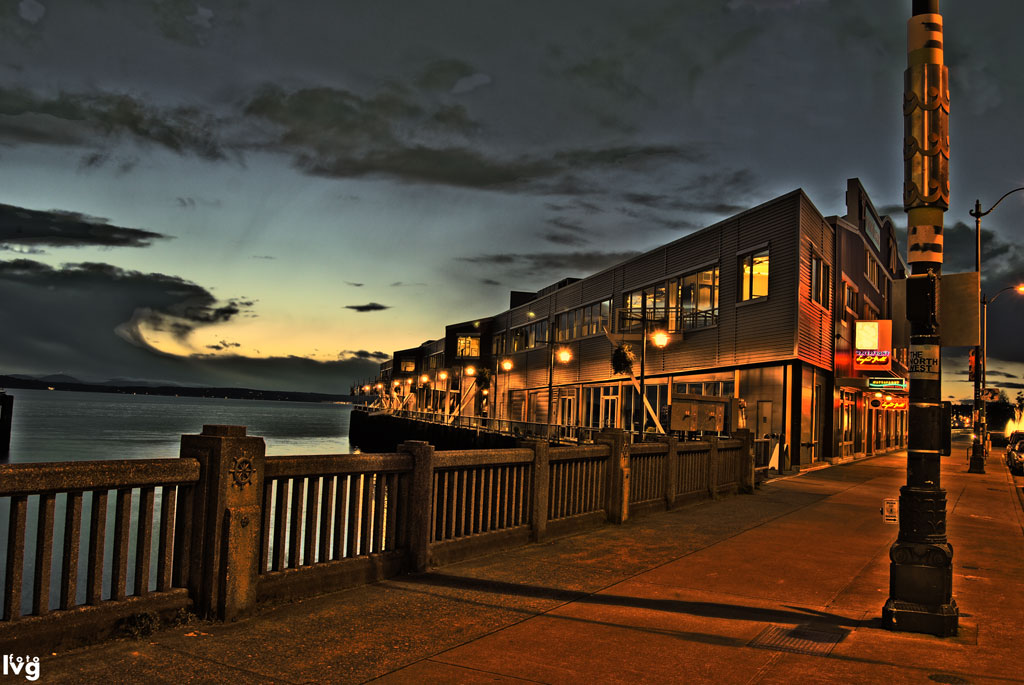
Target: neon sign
[(887, 383)]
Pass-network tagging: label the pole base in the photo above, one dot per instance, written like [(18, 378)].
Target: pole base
[(977, 463), (942, 620)]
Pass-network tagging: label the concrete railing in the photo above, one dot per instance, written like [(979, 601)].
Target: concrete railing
[(59, 513), (225, 527)]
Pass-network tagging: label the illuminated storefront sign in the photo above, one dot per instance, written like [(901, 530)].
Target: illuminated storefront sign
[(887, 383), (872, 347)]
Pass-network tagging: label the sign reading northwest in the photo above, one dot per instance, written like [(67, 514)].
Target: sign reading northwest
[(887, 383), (872, 345)]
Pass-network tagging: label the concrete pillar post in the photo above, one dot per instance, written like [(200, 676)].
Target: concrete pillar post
[(671, 469), (421, 515), (6, 415), (541, 487), (713, 460), (224, 520), (617, 505), (747, 463)]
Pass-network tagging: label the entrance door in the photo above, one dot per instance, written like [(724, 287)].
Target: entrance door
[(763, 421), (567, 414), (812, 444), (609, 410)]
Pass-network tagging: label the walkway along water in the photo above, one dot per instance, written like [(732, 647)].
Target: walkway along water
[(227, 527)]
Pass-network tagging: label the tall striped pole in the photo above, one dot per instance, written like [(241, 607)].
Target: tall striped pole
[(921, 559)]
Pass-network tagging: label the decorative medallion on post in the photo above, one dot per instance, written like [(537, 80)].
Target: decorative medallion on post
[(921, 568)]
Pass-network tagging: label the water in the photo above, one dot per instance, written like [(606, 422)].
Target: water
[(87, 426)]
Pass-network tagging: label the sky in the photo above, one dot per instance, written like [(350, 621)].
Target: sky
[(280, 194)]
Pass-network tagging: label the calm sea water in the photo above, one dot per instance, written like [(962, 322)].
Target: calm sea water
[(82, 426)]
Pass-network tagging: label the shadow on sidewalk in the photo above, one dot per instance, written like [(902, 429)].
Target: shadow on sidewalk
[(704, 609)]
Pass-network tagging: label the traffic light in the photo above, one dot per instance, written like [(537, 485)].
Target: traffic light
[(970, 366)]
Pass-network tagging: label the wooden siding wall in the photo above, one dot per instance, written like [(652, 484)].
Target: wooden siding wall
[(814, 342), (773, 319)]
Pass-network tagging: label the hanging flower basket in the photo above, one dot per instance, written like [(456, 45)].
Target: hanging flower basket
[(483, 379), (623, 358)]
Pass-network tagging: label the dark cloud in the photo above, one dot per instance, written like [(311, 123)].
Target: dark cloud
[(545, 263), (263, 256), (456, 166), (567, 225), (165, 303), (223, 345), (354, 285), (609, 74), (90, 318), (364, 354), (630, 156), (454, 117), (57, 228), (444, 74), (489, 281), (369, 307), (329, 120), (679, 202), (989, 373), (78, 118), (562, 238), (400, 284), (1002, 262), (332, 132)]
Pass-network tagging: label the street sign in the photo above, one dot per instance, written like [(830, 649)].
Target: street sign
[(990, 394), (891, 510)]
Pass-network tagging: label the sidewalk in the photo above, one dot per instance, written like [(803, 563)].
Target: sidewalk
[(670, 597)]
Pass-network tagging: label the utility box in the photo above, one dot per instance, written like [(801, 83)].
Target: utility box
[(698, 413)]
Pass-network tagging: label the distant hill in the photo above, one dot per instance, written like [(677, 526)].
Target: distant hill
[(69, 383)]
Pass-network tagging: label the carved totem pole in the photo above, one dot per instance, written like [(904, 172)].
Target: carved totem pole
[(921, 568)]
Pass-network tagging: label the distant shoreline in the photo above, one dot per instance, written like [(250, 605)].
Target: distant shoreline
[(177, 391)]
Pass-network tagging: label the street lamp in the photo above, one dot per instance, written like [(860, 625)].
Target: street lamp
[(443, 376), (982, 428), (979, 449)]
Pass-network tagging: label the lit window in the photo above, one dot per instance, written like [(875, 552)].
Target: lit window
[(408, 365), (467, 347), (754, 276)]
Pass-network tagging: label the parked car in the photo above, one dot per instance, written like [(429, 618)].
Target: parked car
[(1015, 456)]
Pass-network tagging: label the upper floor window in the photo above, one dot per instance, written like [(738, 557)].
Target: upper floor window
[(408, 366), (754, 276), (873, 271), (582, 322), (697, 295), (467, 346), (651, 303), (529, 336), (498, 344), (819, 280)]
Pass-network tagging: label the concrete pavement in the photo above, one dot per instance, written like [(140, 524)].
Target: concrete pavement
[(785, 585)]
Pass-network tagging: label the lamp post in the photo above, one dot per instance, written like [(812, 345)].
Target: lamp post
[(659, 339), (443, 375), (562, 355), (979, 448)]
